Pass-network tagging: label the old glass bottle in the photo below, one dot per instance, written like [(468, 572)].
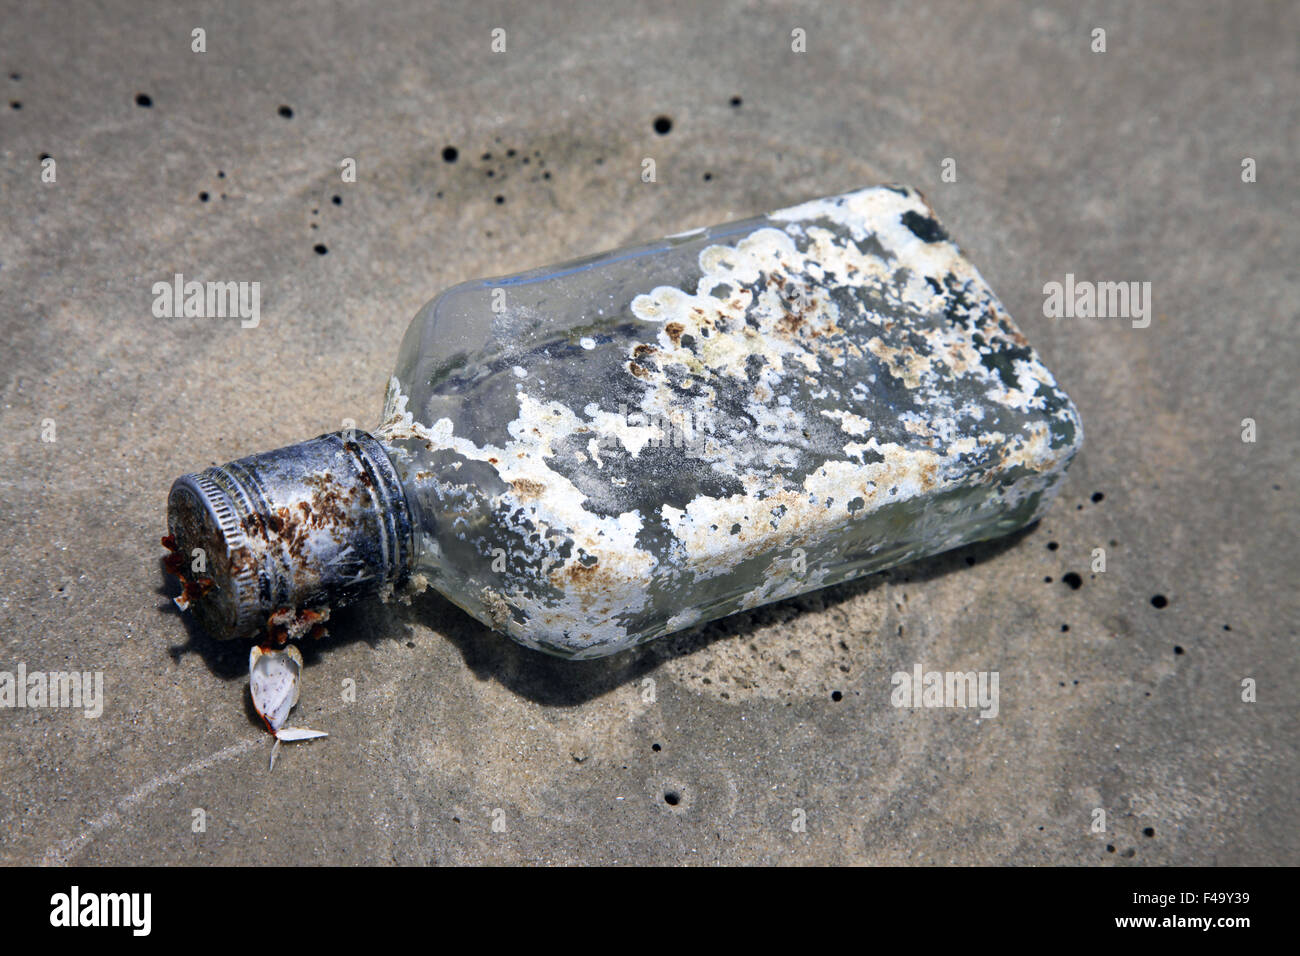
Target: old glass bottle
[(588, 456)]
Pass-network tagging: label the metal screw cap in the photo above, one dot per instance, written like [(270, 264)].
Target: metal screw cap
[(274, 540)]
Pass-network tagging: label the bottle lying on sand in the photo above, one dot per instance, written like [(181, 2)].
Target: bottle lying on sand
[(592, 455)]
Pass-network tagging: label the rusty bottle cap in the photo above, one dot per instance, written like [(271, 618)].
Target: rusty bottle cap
[(274, 540)]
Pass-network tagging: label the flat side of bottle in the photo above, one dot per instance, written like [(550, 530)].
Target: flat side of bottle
[(604, 452)]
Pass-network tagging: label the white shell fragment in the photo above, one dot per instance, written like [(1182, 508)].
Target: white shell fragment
[(273, 680)]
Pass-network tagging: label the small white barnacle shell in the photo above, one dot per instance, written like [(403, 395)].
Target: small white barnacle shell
[(273, 680)]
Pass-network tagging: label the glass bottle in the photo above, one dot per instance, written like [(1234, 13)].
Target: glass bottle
[(588, 456)]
